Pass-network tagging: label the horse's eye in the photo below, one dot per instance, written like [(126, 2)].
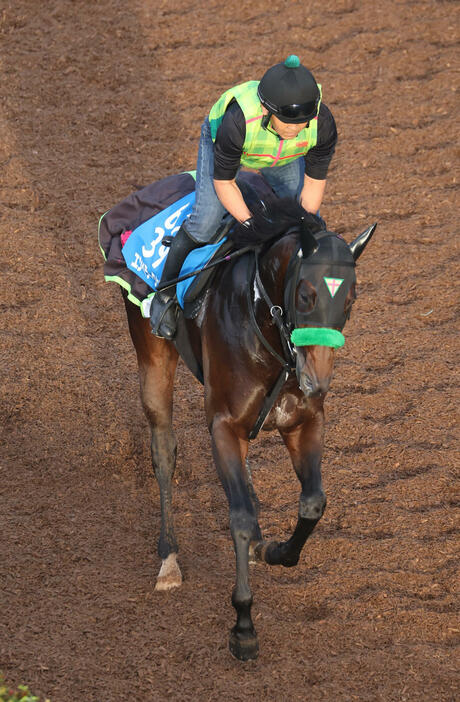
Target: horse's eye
[(305, 296), (349, 300), (348, 306)]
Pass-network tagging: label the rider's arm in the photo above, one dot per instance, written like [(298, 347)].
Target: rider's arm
[(317, 161), (228, 149), (230, 196), (312, 193), (318, 158)]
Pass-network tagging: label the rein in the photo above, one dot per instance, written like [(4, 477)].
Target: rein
[(288, 362), (276, 312)]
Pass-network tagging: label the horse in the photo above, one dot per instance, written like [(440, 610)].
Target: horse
[(265, 338)]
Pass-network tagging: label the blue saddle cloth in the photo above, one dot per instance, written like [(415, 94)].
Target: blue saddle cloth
[(130, 235), (196, 259), (145, 254)]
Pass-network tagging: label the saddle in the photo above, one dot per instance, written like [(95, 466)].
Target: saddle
[(192, 298), (132, 264), (191, 295)]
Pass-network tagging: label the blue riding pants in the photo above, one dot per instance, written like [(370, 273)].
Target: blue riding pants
[(208, 211)]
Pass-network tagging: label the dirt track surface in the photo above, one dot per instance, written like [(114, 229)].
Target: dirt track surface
[(95, 99)]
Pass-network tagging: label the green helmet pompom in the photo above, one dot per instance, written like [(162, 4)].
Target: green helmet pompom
[(292, 61)]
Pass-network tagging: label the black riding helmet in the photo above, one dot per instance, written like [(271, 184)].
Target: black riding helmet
[(289, 91)]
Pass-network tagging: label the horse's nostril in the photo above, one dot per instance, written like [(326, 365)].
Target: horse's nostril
[(306, 384), (313, 387)]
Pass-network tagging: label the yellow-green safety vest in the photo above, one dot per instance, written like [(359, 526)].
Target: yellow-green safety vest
[(262, 148)]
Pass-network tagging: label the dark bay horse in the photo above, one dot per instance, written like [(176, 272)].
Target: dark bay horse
[(267, 328)]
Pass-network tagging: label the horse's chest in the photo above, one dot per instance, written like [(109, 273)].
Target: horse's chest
[(287, 410)]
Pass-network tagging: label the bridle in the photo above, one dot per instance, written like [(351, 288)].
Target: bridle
[(286, 319)]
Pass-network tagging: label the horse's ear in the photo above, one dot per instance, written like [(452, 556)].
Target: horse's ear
[(359, 244), (308, 242)]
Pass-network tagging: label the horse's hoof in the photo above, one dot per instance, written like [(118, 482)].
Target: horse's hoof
[(259, 549), (244, 649), (275, 553), (169, 576)]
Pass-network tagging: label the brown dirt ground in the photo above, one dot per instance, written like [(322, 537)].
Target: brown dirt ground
[(95, 99)]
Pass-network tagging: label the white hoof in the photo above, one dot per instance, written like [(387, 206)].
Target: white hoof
[(169, 575)]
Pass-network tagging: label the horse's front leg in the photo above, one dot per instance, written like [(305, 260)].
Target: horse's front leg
[(229, 455), (305, 444)]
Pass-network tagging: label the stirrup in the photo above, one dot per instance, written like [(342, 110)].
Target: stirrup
[(163, 314)]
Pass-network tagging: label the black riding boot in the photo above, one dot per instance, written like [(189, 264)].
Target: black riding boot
[(163, 310)]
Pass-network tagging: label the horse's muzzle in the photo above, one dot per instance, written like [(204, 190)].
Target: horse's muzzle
[(314, 368)]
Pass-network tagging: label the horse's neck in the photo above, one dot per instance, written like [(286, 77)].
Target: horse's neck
[(273, 267)]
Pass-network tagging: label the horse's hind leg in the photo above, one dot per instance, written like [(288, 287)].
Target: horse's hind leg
[(157, 361)]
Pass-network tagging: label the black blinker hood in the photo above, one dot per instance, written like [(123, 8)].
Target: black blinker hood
[(331, 271)]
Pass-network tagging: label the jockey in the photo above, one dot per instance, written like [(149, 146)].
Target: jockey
[(277, 126)]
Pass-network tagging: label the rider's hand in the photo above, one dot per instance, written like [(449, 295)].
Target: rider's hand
[(248, 224), (245, 233)]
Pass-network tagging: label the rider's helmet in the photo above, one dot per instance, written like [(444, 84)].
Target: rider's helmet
[(289, 91)]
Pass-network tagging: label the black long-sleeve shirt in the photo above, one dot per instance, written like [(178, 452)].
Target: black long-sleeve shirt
[(228, 146)]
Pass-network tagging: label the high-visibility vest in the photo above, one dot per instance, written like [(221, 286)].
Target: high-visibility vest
[(262, 148)]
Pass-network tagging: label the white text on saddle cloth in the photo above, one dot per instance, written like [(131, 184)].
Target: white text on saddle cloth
[(143, 251)]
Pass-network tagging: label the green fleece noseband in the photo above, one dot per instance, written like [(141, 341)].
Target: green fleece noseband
[(310, 336)]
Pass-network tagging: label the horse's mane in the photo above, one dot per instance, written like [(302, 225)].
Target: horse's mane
[(273, 220)]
